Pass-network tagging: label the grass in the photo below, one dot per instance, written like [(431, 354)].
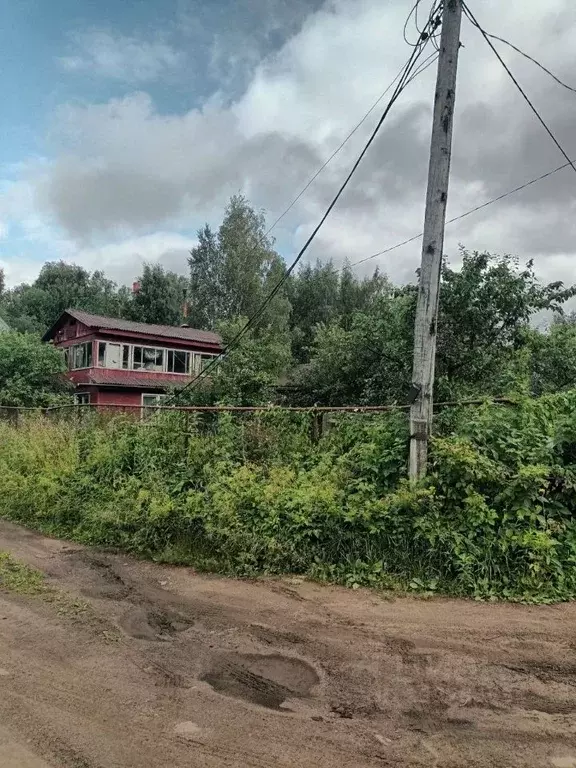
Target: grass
[(20, 579)]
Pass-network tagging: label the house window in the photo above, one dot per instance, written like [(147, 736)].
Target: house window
[(158, 359), (201, 361), (109, 355), (82, 398), (80, 356), (178, 361), (148, 358), (205, 361), (151, 401)]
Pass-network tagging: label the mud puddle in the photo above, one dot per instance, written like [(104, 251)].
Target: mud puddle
[(265, 680)]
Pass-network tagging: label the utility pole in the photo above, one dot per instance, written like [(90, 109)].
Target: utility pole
[(425, 328)]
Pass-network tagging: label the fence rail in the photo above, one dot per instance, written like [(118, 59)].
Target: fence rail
[(322, 419), (253, 408)]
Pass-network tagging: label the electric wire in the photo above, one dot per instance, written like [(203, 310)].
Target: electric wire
[(548, 130), (408, 74), (533, 60), (404, 80), (341, 146), (425, 64), (467, 213)]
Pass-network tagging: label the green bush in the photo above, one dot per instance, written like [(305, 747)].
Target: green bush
[(255, 494)]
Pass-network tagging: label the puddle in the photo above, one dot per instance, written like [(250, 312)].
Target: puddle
[(152, 624), (264, 680)]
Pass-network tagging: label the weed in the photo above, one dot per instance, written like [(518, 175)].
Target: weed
[(494, 518), (19, 578)]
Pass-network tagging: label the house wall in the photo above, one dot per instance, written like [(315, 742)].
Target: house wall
[(116, 397), (72, 333), (115, 391)]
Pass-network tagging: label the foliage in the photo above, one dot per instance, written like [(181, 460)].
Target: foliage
[(30, 371), (368, 363), (247, 375), (18, 577), (320, 295), (252, 494), (160, 297), (485, 311), (313, 294), (553, 357), (485, 346), (231, 272), (33, 308)]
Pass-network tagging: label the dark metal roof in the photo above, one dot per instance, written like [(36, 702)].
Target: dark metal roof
[(128, 326)]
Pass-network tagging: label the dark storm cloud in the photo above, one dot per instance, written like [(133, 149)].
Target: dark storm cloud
[(125, 167)]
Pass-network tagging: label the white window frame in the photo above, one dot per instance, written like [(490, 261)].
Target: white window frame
[(156, 350), (72, 355), (82, 398), (189, 359), (195, 359), (158, 397), (197, 365)]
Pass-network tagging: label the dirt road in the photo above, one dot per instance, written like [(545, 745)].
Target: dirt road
[(163, 667)]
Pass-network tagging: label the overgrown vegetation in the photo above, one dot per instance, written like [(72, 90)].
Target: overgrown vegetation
[(30, 372), (331, 336), (494, 518)]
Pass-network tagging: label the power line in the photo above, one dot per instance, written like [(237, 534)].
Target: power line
[(425, 64), (333, 155), (548, 130), (467, 213), (404, 80), (533, 60)]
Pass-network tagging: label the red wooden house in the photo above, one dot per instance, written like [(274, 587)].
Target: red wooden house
[(112, 361)]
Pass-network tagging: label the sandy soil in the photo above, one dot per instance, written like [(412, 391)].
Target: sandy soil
[(170, 668)]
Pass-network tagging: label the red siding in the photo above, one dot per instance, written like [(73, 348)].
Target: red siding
[(119, 377), (119, 386), (116, 397)]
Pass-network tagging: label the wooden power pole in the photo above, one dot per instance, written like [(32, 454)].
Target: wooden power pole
[(433, 241)]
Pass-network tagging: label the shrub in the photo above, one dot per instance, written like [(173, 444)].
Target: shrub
[(255, 494)]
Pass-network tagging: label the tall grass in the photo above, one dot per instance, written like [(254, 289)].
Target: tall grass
[(247, 495)]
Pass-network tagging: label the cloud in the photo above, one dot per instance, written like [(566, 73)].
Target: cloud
[(123, 260), (123, 171), (132, 169), (128, 59)]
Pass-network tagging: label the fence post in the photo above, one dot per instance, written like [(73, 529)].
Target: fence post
[(326, 424), (315, 426), (186, 433)]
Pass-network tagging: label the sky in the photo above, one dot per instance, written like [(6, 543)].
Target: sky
[(126, 126)]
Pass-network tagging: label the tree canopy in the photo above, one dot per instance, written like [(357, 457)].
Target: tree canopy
[(30, 371), (234, 269), (485, 344), (335, 337), (160, 297)]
